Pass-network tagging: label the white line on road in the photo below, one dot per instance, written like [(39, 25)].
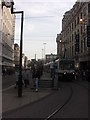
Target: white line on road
[(7, 88)]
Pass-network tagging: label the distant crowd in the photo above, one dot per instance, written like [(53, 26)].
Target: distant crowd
[(35, 71), (81, 75)]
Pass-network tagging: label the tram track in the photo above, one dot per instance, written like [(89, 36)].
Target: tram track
[(62, 106), (66, 102)]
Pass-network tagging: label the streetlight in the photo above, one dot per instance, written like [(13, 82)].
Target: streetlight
[(81, 20), (10, 5), (42, 54), (60, 41)]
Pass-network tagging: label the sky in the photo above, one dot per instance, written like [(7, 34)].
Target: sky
[(42, 23)]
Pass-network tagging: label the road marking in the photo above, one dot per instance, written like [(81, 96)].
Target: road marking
[(7, 88)]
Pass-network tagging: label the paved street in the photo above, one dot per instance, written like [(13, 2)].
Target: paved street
[(78, 105)]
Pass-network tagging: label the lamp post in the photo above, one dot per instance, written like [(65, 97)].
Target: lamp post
[(44, 51), (44, 48), (10, 5), (42, 54)]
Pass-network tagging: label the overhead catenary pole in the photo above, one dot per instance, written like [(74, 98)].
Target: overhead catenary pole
[(35, 57), (44, 51), (42, 54), (20, 72), (44, 48), (21, 41)]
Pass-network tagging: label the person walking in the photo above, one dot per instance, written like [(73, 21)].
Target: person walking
[(26, 77), (83, 75), (36, 76), (16, 78), (52, 69)]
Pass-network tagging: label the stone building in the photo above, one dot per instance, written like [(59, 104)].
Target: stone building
[(7, 26), (72, 41), (0, 34)]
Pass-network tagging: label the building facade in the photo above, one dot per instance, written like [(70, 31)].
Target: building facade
[(72, 41), (7, 43), (0, 35)]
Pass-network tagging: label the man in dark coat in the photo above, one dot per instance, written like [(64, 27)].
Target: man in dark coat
[(36, 76)]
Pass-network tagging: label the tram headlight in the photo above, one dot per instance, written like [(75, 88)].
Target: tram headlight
[(65, 73)]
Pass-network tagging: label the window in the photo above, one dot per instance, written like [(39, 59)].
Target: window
[(72, 51), (78, 31), (84, 44), (75, 23), (78, 20), (85, 11), (81, 15), (72, 26), (89, 8), (72, 37), (81, 46), (88, 21), (81, 29)]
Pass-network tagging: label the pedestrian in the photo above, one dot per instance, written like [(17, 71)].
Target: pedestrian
[(16, 78), (83, 75), (36, 76), (52, 69), (26, 77), (75, 76)]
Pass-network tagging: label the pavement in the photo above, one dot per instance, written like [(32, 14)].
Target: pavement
[(10, 99)]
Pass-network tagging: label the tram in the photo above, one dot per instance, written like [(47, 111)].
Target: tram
[(64, 69)]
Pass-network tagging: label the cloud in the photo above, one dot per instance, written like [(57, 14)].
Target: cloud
[(37, 7)]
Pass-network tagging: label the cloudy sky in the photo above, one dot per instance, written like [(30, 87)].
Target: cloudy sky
[(42, 23)]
